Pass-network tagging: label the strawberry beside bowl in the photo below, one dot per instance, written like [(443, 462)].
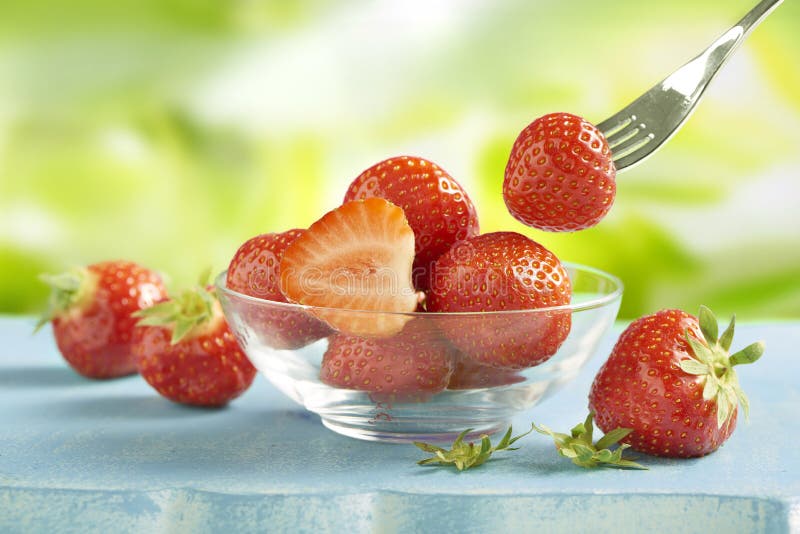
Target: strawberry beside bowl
[(438, 374)]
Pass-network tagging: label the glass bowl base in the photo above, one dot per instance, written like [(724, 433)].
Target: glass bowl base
[(408, 432)]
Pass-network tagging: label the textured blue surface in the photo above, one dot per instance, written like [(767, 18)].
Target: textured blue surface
[(80, 455)]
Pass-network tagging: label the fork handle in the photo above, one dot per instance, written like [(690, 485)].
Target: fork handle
[(756, 15), (693, 78)]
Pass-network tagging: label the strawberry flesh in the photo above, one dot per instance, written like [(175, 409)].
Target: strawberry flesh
[(356, 257)]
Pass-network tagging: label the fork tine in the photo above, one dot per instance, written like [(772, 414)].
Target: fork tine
[(648, 122), (631, 143), (633, 136), (624, 135), (634, 150), (615, 124)]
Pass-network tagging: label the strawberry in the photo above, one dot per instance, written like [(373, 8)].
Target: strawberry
[(255, 271), (411, 365), (356, 257), (185, 350), (671, 380), (560, 175), (91, 307), (469, 374), (502, 271), (437, 207)]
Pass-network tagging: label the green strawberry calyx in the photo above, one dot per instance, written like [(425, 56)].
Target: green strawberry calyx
[(190, 311), (70, 290), (713, 362), (579, 447), (466, 455)]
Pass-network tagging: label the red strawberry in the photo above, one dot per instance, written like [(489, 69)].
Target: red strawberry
[(469, 374), (560, 175), (356, 257), (255, 271), (672, 381), (91, 311), (411, 365), (502, 271), (185, 350), (437, 207)]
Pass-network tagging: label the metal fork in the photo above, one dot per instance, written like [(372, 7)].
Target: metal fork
[(651, 120)]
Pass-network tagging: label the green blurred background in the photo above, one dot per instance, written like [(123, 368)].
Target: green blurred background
[(169, 131)]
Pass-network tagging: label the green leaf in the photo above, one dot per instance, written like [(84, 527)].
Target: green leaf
[(506, 439), (711, 388), (701, 352), (749, 354), (181, 314), (727, 336), (629, 464), (68, 281), (584, 453), (708, 325), (67, 291), (743, 400), (427, 447), (613, 437), (723, 410), (578, 430), (694, 367)]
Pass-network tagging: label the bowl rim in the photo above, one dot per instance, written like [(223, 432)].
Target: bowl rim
[(598, 302)]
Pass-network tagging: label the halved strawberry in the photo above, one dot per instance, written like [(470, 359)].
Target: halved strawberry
[(502, 271), (255, 271), (438, 209), (356, 257), (409, 366)]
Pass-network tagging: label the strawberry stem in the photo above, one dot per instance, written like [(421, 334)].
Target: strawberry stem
[(467, 455), (578, 446), (711, 360), (68, 290), (190, 310)]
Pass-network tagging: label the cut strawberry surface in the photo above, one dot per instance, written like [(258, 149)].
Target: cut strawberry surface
[(356, 257)]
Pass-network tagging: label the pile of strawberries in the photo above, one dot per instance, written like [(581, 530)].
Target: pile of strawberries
[(114, 318), (405, 246)]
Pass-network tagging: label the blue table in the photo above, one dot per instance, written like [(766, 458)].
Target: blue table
[(80, 455)]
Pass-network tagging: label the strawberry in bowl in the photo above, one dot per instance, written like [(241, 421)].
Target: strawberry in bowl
[(428, 327)]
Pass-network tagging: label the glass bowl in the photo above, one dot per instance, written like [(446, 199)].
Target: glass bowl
[(288, 344)]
